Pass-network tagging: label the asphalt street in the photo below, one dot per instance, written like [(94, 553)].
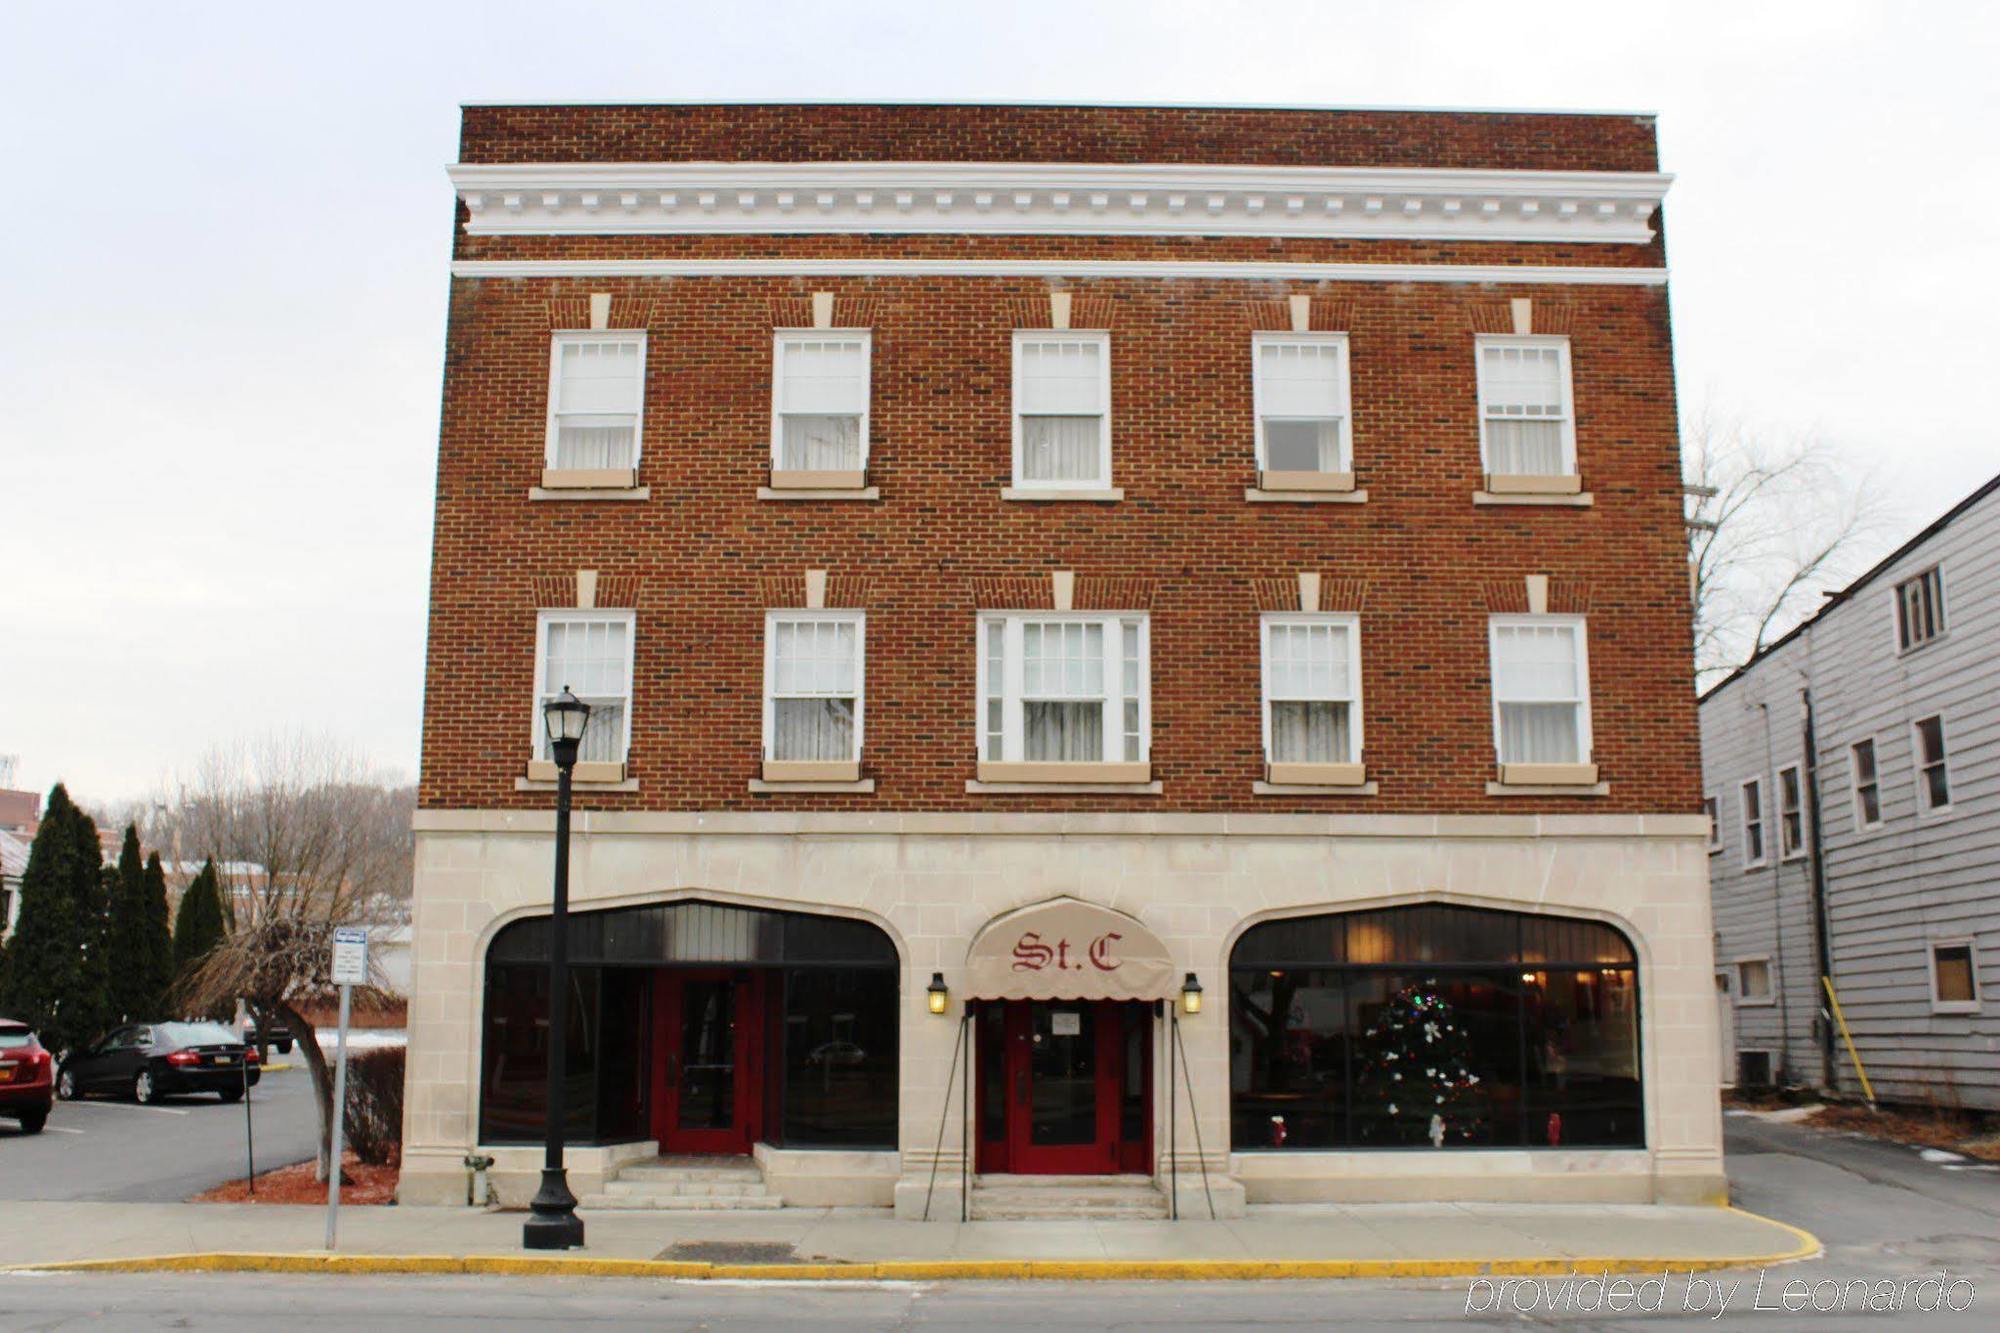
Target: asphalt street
[(1885, 1212), (104, 1149)]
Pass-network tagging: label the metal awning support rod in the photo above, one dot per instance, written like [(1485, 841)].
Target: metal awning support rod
[(1201, 1153), (944, 1117)]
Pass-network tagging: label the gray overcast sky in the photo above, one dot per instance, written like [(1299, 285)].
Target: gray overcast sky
[(223, 279)]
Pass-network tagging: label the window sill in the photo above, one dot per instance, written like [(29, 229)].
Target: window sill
[(1554, 500), (535, 784), (780, 785), (595, 771), (1955, 1008), (1314, 789), (1305, 481), (983, 788), (1108, 495), (823, 493), (812, 770), (1548, 775), (1756, 1002), (1266, 495), (1044, 771), (1547, 789), (589, 493)]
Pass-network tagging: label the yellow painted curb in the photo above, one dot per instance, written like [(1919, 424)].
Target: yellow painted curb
[(932, 1270)]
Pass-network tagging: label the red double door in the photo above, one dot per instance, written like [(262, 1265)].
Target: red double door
[(1065, 1087), (708, 1066)]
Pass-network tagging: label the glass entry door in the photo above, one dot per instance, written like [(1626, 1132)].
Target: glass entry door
[(707, 1080), (1057, 1100)]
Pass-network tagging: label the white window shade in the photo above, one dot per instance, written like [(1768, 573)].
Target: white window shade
[(1061, 379), (1542, 716), (824, 377), (1524, 396), (1300, 380), (595, 398), (820, 403), (591, 658), (1309, 662), (1523, 381), (813, 693), (1311, 691)]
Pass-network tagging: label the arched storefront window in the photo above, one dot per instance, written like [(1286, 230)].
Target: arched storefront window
[(1434, 1026), (706, 1026)]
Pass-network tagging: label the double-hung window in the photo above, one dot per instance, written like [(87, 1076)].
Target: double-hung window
[(1867, 785), (1062, 410), (1300, 388), (1919, 609), (1063, 697), (1753, 822), (1933, 776), (1541, 699), (588, 653), (819, 408), (1312, 698), (1527, 427), (1791, 813), (596, 400), (812, 695)]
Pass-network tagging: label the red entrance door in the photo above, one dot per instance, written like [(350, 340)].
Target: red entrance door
[(708, 1066), (1066, 1087)]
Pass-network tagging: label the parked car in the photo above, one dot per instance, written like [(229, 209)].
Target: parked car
[(145, 1061), (276, 1034), (26, 1076)]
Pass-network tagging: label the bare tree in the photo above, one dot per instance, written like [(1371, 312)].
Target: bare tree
[(1772, 528), (310, 839)]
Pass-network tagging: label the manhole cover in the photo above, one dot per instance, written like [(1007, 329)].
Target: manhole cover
[(731, 1251)]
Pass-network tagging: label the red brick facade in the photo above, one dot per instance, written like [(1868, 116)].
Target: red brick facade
[(703, 557)]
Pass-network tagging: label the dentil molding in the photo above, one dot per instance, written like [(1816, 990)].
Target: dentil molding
[(1058, 199)]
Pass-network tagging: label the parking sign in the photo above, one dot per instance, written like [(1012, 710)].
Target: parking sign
[(350, 956)]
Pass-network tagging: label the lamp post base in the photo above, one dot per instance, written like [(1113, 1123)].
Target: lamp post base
[(552, 1221)]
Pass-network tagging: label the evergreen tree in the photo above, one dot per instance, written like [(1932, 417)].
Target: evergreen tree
[(1414, 1072), (54, 978), (124, 933), (198, 926), (159, 940)]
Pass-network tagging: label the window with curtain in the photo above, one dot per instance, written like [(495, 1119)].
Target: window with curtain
[(1541, 690), (1753, 822), (820, 402), (1919, 609), (1301, 393), (589, 654), (1063, 689), (1524, 407), (596, 389), (1933, 779), (1312, 689), (1062, 393), (812, 693)]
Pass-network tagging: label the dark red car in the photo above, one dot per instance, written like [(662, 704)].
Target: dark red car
[(27, 1077)]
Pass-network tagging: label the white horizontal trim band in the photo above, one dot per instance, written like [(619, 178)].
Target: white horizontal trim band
[(1090, 199), (1246, 270)]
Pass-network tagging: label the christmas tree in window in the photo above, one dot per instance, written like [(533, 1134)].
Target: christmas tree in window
[(1414, 1072)]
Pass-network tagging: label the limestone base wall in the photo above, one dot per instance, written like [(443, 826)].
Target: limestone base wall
[(1198, 881)]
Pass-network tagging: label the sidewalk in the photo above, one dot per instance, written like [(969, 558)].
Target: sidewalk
[(1376, 1240)]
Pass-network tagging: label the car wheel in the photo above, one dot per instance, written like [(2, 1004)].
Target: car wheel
[(142, 1088), (230, 1094), (32, 1122), (285, 1046), (66, 1086)]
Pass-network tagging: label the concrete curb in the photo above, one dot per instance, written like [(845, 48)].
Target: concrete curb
[(931, 1270)]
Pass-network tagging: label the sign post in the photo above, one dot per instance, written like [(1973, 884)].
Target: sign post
[(350, 969)]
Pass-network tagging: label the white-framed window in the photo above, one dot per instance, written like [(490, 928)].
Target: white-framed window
[(1753, 821), (1791, 813), (1919, 609), (1933, 775), (596, 400), (1062, 410), (588, 653), (1541, 690), (1867, 784), (1753, 981), (813, 685), (1954, 976), (819, 400), (1527, 427), (1300, 389), (1312, 689), (1712, 808), (1059, 687)]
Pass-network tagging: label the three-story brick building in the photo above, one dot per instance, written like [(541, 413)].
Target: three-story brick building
[(1054, 566)]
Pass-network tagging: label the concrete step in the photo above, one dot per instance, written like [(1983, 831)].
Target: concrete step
[(679, 1203), (690, 1189), (659, 1171), (998, 1198)]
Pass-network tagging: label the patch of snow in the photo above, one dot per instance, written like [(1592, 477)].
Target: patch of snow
[(1940, 1155)]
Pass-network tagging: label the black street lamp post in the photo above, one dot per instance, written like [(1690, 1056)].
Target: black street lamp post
[(552, 1221)]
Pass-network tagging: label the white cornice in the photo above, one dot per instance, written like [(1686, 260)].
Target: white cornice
[(1238, 270), (1070, 199)]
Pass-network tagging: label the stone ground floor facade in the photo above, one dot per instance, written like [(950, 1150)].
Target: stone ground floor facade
[(1551, 974)]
